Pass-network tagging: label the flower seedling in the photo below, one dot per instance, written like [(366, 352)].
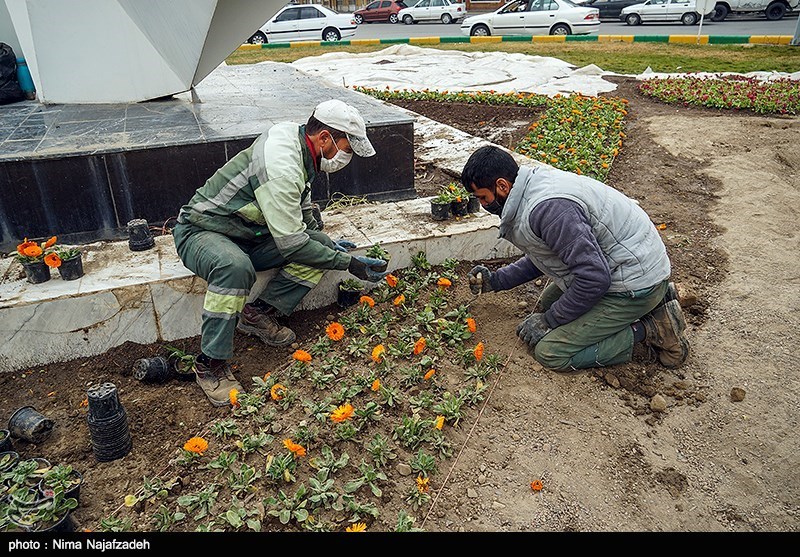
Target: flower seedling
[(242, 480), (423, 463), (380, 450), (322, 491), (237, 516), (287, 508), (200, 502)]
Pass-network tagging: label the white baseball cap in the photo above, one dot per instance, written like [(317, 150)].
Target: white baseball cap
[(343, 117)]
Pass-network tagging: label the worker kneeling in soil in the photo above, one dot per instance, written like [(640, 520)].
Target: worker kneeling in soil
[(608, 265)]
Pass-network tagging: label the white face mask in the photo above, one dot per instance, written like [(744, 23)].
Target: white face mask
[(338, 162)]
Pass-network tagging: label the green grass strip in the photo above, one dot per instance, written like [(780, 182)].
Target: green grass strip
[(651, 38)]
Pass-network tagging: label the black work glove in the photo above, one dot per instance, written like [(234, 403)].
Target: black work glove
[(317, 214), (533, 329), (480, 280), (343, 245), (364, 268)]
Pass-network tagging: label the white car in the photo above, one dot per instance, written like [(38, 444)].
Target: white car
[(534, 17), (446, 11), (654, 11), (306, 22)]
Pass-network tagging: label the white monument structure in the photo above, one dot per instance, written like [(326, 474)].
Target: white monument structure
[(118, 51)]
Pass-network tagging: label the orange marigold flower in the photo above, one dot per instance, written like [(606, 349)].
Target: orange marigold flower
[(429, 374), (367, 300), (391, 280), (377, 353), (444, 283), (32, 250), (537, 485), (25, 244), (357, 527), (399, 300), (376, 385), (52, 260), (50, 243), (266, 376), (662, 226), (233, 396), (277, 392), (196, 445), (296, 450), (478, 351), (419, 346), (438, 423), (471, 325), (335, 331), (301, 356), (422, 484), (342, 413), (84, 403)]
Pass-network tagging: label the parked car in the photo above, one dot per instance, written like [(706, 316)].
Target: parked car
[(773, 9), (654, 11), (534, 17), (380, 10), (306, 22), (446, 11), (609, 9)]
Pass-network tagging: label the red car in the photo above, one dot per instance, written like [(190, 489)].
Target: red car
[(379, 10)]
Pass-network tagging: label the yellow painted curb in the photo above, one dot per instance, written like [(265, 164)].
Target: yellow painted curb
[(614, 38), (770, 39), (250, 47), (423, 40), (549, 39), (688, 39), (493, 39), (365, 41), (299, 44)]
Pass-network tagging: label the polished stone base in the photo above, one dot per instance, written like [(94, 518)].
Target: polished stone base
[(81, 172)]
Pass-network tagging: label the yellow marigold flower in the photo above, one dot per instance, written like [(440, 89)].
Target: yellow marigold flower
[(578, 171), (196, 445), (444, 283), (335, 331), (367, 300), (294, 448), (471, 325), (420, 345), (422, 484), (391, 280), (277, 391), (399, 300), (50, 243), (52, 260), (342, 413), (376, 385), (478, 351), (357, 527), (301, 356), (233, 396), (604, 165), (439, 422), (377, 353), (429, 374)]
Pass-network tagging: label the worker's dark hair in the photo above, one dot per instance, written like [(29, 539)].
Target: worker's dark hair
[(486, 165), (314, 126)]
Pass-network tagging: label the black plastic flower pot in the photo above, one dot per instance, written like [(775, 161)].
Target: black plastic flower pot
[(139, 236), (473, 205), (460, 208), (72, 268), (153, 370), (73, 492), (108, 423), (28, 424), (347, 298), (5, 441), (8, 460), (103, 402), (36, 272), (440, 211)]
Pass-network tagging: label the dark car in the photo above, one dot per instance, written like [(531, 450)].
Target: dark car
[(379, 10), (610, 9)]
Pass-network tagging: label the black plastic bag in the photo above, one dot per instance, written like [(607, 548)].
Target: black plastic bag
[(10, 91)]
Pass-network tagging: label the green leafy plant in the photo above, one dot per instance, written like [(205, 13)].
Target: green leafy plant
[(451, 407), (412, 431), (376, 251), (351, 285), (322, 491), (423, 463), (225, 428), (114, 524), (201, 502), (380, 450), (61, 477), (243, 479), (287, 508), (253, 442), (405, 523), (163, 519), (369, 476), (281, 467), (238, 516), (359, 511), (328, 461), (184, 362)]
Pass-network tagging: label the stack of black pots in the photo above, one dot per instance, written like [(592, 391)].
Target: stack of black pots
[(108, 423)]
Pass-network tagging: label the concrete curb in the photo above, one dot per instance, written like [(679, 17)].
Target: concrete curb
[(672, 39)]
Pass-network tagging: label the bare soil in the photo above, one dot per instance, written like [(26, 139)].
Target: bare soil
[(635, 447)]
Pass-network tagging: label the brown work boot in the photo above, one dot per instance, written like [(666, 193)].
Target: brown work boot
[(216, 382), (664, 328), (263, 324)]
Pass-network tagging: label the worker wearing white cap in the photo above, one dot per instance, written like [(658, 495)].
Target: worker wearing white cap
[(254, 214)]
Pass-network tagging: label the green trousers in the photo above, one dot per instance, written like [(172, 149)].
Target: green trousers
[(229, 267), (600, 337)]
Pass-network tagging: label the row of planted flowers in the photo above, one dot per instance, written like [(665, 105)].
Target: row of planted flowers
[(361, 419)]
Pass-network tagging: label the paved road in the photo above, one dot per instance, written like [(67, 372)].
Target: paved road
[(731, 26)]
